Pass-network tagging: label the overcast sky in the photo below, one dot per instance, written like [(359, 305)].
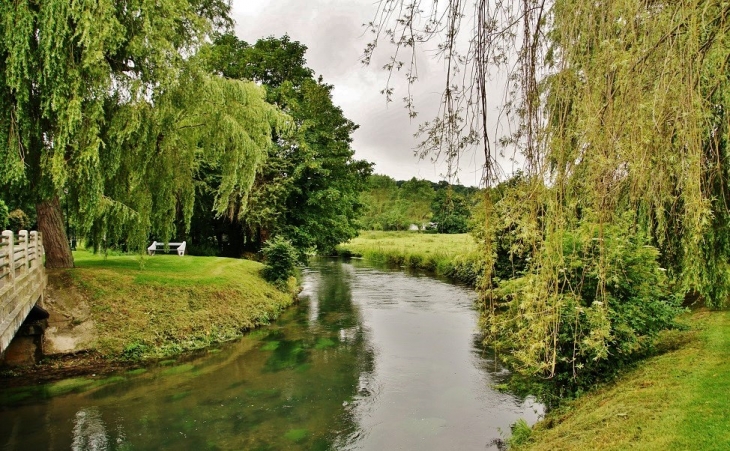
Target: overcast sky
[(333, 32)]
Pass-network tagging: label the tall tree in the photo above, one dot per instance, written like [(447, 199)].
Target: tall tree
[(101, 98), (308, 189), (417, 196), (383, 209)]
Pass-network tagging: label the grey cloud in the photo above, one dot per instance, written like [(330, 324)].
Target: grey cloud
[(332, 30)]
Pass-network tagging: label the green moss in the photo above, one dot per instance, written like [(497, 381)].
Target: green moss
[(137, 371)]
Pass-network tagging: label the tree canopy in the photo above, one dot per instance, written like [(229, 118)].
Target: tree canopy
[(107, 101), (308, 189)]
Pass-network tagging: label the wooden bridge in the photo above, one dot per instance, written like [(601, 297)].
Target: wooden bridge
[(22, 280)]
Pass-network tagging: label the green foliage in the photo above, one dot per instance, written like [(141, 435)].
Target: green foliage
[(3, 215), (124, 121), (521, 433), (281, 260), (601, 312), (392, 206), (308, 188), (622, 125), (18, 220), (674, 400), (675, 175), (135, 351), (452, 211)]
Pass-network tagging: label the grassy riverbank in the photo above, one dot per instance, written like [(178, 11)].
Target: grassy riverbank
[(168, 305), (454, 256), (677, 400)]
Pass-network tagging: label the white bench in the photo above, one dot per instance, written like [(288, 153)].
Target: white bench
[(159, 245)]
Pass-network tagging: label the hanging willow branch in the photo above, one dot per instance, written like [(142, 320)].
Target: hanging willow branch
[(621, 113)]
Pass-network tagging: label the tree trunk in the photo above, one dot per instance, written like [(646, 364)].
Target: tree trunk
[(55, 241)]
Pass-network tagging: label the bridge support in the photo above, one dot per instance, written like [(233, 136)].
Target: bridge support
[(22, 281), (26, 348)]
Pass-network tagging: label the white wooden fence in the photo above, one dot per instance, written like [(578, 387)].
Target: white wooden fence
[(22, 280)]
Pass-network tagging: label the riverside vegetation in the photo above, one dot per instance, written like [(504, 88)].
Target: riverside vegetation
[(173, 304), (673, 400), (455, 256)]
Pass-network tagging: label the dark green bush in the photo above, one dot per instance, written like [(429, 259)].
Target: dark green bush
[(596, 335), (281, 260), (18, 220), (3, 215), (203, 250)]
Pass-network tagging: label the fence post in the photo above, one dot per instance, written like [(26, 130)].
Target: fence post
[(8, 236), (34, 248), (23, 242)]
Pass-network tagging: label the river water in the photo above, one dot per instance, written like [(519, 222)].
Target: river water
[(370, 359)]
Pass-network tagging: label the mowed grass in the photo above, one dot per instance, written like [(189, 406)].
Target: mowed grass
[(450, 255), (170, 304), (679, 400)]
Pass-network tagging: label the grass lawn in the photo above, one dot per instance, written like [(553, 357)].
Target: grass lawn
[(451, 255), (171, 303), (679, 400)]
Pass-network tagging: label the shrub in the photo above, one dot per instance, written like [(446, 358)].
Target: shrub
[(3, 215), (281, 261), (521, 433), (575, 337), (204, 250), (18, 220)]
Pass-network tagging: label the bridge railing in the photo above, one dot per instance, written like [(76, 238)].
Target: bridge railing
[(22, 280), (19, 254)]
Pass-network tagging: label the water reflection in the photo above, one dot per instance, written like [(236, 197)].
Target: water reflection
[(89, 431), (369, 359)]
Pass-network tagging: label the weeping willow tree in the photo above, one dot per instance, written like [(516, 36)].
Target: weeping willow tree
[(620, 114), (104, 101)]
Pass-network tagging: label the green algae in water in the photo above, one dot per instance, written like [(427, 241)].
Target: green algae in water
[(137, 371), (296, 435), (75, 385), (167, 362), (265, 394), (270, 346), (180, 395), (288, 355), (15, 395), (178, 369), (324, 343), (304, 367), (110, 380)]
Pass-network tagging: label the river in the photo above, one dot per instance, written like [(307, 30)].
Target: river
[(370, 359)]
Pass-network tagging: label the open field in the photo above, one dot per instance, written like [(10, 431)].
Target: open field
[(167, 304), (674, 401), (454, 256)]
